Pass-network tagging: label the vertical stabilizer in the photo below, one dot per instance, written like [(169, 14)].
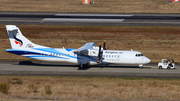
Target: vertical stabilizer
[(17, 40)]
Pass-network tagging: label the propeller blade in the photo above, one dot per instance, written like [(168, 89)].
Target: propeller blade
[(99, 50), (104, 45), (99, 55)]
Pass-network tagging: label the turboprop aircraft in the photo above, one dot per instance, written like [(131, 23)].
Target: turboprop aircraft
[(86, 55)]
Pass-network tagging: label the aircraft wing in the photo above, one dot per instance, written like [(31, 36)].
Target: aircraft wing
[(84, 49)]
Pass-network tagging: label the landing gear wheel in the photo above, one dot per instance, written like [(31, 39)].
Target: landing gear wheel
[(160, 67), (87, 65), (83, 66), (80, 66), (141, 66), (168, 67)]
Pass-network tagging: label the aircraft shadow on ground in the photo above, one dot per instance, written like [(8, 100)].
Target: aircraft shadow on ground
[(29, 63), (114, 66)]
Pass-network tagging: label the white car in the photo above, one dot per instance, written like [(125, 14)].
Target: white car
[(167, 64)]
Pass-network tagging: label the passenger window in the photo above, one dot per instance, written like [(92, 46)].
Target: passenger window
[(106, 55), (115, 56), (112, 56), (109, 56)]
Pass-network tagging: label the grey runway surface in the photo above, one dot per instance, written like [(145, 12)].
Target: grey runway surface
[(89, 19), (65, 69)]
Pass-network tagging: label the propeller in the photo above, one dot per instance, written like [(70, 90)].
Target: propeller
[(99, 55), (104, 48)]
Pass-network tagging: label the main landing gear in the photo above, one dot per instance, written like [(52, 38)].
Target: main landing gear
[(83, 65)]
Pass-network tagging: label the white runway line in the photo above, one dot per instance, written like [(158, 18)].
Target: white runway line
[(93, 15), (80, 20)]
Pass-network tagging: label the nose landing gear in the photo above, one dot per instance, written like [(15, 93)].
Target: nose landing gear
[(141, 66)]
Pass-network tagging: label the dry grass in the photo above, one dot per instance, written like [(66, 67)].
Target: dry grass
[(89, 86), (154, 42), (4, 88), (105, 6)]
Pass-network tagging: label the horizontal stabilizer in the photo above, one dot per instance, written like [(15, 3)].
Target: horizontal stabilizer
[(11, 27)]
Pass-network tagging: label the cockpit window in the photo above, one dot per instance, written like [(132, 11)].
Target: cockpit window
[(138, 55)]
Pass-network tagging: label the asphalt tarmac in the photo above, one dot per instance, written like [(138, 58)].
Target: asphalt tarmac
[(66, 69), (89, 19)]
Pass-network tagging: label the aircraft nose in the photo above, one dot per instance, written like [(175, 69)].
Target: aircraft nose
[(148, 60)]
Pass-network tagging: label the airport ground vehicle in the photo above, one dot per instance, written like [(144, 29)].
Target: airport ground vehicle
[(167, 64)]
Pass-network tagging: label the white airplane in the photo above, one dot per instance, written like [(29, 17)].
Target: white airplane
[(83, 56)]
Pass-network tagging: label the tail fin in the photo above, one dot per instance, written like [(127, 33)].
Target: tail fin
[(17, 40)]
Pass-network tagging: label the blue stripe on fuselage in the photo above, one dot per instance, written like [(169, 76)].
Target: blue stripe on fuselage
[(69, 49), (51, 50), (46, 56), (21, 52)]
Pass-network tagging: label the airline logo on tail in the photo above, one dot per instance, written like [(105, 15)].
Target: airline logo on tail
[(18, 41)]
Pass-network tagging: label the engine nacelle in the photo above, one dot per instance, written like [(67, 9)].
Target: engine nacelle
[(93, 52)]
